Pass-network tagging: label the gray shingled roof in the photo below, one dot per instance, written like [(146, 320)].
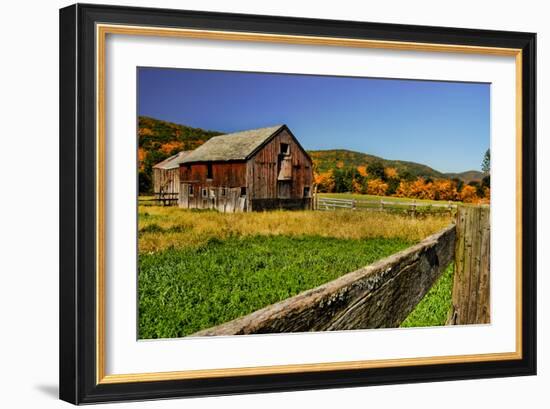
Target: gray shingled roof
[(234, 146), (173, 161)]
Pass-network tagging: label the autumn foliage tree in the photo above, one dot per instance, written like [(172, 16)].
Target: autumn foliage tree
[(374, 179), (391, 173), (377, 187), (468, 194), (444, 189), (362, 170), (324, 181)]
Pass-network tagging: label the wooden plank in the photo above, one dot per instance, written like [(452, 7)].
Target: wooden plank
[(483, 311), (471, 287), (475, 261)]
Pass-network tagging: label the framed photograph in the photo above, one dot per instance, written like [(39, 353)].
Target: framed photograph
[(257, 203)]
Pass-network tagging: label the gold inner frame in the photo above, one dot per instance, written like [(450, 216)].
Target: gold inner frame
[(101, 32)]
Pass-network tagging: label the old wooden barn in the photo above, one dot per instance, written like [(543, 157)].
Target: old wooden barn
[(166, 177), (258, 169)]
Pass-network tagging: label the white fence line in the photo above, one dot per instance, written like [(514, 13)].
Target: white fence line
[(330, 203)]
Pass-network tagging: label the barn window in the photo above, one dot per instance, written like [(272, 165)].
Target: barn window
[(243, 191), (285, 149), (190, 191), (209, 171), (223, 191), (306, 191), (204, 192)]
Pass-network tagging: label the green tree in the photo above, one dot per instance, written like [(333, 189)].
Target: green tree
[(486, 164), (376, 170), (459, 184), (393, 184), (479, 188), (145, 183), (343, 179), (407, 176)]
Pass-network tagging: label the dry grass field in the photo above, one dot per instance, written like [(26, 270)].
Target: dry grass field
[(162, 228)]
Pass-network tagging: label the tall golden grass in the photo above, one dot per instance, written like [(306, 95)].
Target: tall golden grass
[(171, 227)]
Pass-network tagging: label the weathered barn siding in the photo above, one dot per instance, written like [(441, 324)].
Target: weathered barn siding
[(221, 192), (273, 177), (227, 200), (166, 174), (166, 180), (232, 174)]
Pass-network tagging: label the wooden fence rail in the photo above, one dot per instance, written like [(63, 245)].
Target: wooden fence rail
[(329, 203), (162, 198), (380, 295)]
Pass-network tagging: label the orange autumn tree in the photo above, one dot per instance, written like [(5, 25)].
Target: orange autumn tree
[(172, 147), (141, 157), (391, 173), (377, 187), (324, 181), (468, 194), (422, 189), (444, 189), (403, 190), (417, 189), (362, 170)]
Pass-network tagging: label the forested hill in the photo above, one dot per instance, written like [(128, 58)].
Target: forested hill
[(326, 160), (159, 140)]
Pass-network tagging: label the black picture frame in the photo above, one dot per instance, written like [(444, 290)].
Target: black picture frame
[(78, 354)]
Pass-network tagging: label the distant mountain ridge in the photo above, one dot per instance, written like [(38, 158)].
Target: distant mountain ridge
[(158, 140), (468, 176), (331, 158)]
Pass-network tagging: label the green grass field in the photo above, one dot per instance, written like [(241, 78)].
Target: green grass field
[(184, 291), (435, 306), (198, 269)]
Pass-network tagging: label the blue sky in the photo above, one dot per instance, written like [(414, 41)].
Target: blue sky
[(445, 125)]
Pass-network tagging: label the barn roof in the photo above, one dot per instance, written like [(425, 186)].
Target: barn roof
[(172, 162), (233, 146)]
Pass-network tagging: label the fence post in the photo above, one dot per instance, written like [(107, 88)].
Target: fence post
[(314, 203), (472, 267)]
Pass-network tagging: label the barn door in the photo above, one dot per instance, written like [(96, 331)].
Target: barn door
[(284, 188), (184, 195)]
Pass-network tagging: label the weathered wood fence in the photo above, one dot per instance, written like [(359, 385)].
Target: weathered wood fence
[(383, 294), (162, 198), (471, 287), (329, 203), (380, 295)]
